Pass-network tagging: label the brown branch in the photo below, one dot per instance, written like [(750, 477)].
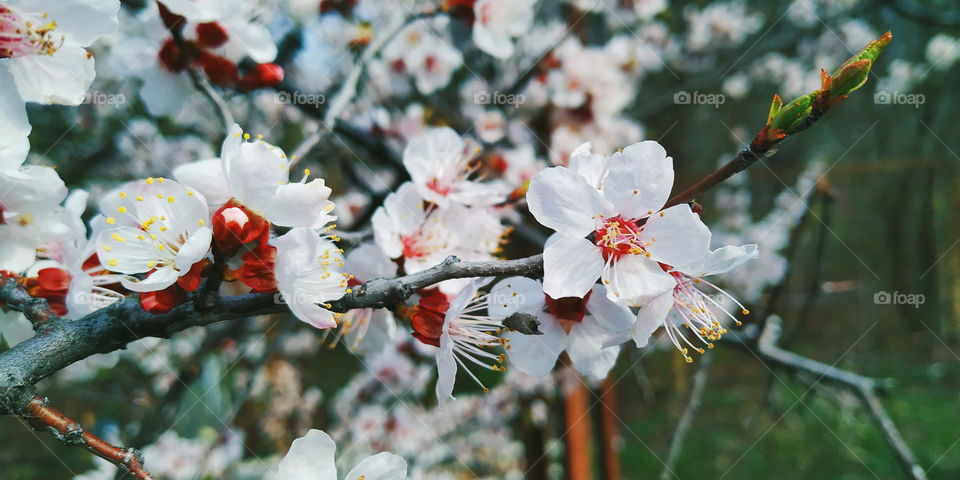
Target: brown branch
[(44, 417), (14, 297)]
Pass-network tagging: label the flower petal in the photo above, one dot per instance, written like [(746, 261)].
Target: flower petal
[(723, 260), (634, 279), (311, 457), (382, 466), (587, 352), (650, 317), (158, 280), (571, 265), (563, 200), (61, 78), (194, 249), (515, 294), (640, 179), (537, 354), (208, 178), (299, 204), (677, 237)]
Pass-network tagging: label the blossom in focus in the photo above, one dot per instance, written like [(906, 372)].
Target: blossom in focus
[(608, 197), (440, 164), (308, 272), (498, 21), (686, 309), (312, 457), (28, 196), (583, 327), (159, 228), (257, 174)]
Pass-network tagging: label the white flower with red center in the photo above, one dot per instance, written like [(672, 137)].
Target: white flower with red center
[(366, 330), (440, 164), (617, 200), (463, 330), (43, 60), (158, 228), (686, 312), (313, 457), (29, 198), (257, 174), (498, 22), (309, 274), (423, 49), (583, 327)]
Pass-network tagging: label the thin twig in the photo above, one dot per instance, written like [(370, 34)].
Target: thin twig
[(14, 297)]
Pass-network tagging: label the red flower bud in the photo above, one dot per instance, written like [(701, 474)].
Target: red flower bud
[(263, 75), (211, 34), (235, 225), (162, 301), (219, 70)]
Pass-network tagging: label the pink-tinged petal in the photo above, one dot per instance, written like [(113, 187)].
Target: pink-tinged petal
[(515, 294), (571, 266), (382, 466), (650, 317), (537, 354), (208, 178), (634, 279), (310, 313), (61, 78), (723, 260), (676, 237), (158, 280), (311, 457), (563, 200), (587, 352), (640, 179)]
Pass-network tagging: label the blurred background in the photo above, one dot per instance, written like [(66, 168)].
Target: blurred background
[(855, 217)]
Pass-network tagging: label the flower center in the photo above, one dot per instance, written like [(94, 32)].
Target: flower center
[(618, 237), (20, 36), (570, 309)]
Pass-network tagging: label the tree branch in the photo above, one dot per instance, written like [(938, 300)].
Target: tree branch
[(44, 417), (15, 297)]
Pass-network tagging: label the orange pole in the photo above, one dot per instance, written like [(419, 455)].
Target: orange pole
[(576, 408), (609, 431)]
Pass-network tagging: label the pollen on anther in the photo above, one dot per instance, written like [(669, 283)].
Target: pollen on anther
[(122, 209), (113, 262), (111, 221)]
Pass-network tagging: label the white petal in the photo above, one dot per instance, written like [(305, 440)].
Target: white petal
[(650, 318), (537, 354), (367, 262), (14, 126), (253, 40), (495, 43), (19, 249), (255, 173), (610, 318), (640, 179), (82, 21), (587, 352), (165, 93), (723, 260), (571, 266), (158, 280), (311, 457), (311, 314), (634, 279), (564, 201), (208, 178), (61, 78), (515, 294), (382, 466), (194, 249), (120, 250), (298, 204), (677, 237)]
